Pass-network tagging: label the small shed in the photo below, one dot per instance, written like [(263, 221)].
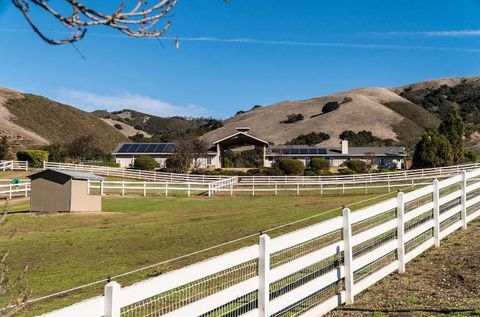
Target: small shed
[(63, 190)]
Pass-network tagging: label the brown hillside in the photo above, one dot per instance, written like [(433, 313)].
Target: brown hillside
[(31, 120), (379, 110)]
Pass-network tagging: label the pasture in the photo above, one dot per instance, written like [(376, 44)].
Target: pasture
[(68, 250)]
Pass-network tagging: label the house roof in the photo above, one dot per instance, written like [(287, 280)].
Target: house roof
[(304, 150), (69, 173), (240, 138), (144, 148)]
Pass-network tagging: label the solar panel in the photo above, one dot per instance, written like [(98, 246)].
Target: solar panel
[(160, 148), (295, 151), (151, 148), (133, 148), (142, 148), (124, 148), (312, 151), (322, 151), (303, 151), (170, 148)]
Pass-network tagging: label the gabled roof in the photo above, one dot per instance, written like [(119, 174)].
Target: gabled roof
[(69, 173), (238, 137)]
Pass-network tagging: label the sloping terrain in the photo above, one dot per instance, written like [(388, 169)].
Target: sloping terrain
[(160, 129), (31, 120), (442, 282), (379, 110)]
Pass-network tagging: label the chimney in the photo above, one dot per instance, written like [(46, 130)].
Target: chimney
[(344, 146), (243, 129)]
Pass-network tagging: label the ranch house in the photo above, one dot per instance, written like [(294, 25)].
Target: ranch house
[(379, 157)]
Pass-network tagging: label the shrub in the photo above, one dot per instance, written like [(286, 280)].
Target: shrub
[(256, 107), (470, 155), (433, 150), (330, 106), (292, 118), (35, 158), (346, 171), (4, 147), (291, 166), (319, 164), (357, 166), (145, 162), (118, 126), (309, 173), (239, 112), (56, 152), (347, 99)]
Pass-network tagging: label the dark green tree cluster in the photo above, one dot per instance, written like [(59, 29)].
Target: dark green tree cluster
[(444, 146), (364, 138), (330, 106), (145, 162), (291, 166), (4, 147), (309, 139), (292, 118)]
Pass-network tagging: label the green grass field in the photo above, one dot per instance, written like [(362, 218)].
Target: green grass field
[(67, 250)]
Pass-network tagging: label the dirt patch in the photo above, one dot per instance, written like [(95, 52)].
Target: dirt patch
[(443, 281)]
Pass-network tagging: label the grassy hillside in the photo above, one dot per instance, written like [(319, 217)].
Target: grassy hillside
[(59, 123), (161, 129)]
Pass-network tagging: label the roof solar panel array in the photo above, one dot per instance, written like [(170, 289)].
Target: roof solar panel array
[(300, 151), (147, 148)]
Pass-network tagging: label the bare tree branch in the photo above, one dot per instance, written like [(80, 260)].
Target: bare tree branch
[(139, 21)]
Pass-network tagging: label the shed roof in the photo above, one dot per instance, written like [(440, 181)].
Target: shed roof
[(69, 173)]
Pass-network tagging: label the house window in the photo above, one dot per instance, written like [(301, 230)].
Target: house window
[(209, 161)]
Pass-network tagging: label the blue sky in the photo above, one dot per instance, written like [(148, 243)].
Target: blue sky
[(245, 52)]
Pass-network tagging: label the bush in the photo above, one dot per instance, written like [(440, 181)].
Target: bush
[(357, 166), (56, 152), (330, 106), (145, 162), (470, 155), (346, 171), (256, 107), (118, 126), (292, 118), (309, 173), (347, 99), (35, 158), (239, 112), (319, 164), (291, 166)]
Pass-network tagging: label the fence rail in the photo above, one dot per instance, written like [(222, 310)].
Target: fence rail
[(10, 191), (13, 166), (307, 272)]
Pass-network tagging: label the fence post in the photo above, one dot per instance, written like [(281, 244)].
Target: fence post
[(112, 300), (298, 189), (10, 191), (188, 189), (123, 187), (166, 190), (463, 199), (26, 189), (101, 187), (253, 189), (263, 275), (88, 186), (44, 165), (436, 213), (144, 189), (401, 232), (348, 256), (276, 189)]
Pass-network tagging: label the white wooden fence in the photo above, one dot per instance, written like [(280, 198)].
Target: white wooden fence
[(10, 191), (13, 166), (307, 272), (135, 174)]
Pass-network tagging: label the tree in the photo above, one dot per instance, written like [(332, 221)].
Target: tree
[(182, 157), (4, 147), (310, 139), (433, 150), (141, 20), (330, 106), (199, 149), (145, 162), (292, 118), (452, 128), (56, 152), (83, 147)]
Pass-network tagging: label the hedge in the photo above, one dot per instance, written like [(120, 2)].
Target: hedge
[(319, 164), (145, 162), (357, 166), (291, 166), (35, 158)]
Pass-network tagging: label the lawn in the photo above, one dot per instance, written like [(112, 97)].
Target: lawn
[(68, 250)]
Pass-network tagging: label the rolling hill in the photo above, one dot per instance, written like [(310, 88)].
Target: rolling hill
[(31, 121), (379, 110)]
